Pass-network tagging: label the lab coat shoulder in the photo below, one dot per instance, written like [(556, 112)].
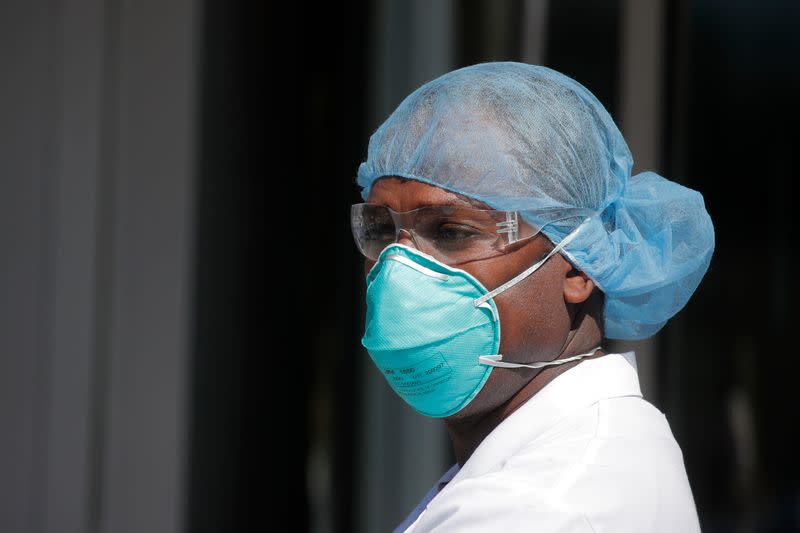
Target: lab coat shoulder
[(587, 453), (630, 475), (495, 502), (611, 466)]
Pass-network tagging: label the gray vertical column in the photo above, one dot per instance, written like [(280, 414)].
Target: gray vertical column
[(640, 121), (96, 187), (149, 248), (67, 450), (27, 110), (534, 31), (402, 453)]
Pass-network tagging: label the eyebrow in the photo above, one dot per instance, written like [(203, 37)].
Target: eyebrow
[(475, 203), (461, 199), (458, 196)]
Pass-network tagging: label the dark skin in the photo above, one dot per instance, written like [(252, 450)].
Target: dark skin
[(554, 313)]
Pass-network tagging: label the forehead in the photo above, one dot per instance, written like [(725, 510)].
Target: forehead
[(403, 194)]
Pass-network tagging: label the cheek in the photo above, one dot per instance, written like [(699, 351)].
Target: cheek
[(534, 325), (533, 318)]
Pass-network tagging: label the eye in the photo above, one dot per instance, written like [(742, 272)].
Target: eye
[(378, 231), (454, 232)]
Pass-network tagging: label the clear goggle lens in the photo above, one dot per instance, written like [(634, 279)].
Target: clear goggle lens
[(452, 234)]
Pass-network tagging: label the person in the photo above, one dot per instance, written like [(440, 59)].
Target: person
[(504, 238)]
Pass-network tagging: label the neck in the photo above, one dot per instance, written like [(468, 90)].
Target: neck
[(467, 433)]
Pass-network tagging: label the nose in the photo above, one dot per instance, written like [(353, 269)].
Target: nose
[(405, 237)]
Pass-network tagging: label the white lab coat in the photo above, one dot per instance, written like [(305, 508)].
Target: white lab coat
[(585, 454)]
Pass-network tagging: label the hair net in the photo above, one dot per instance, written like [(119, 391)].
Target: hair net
[(527, 138)]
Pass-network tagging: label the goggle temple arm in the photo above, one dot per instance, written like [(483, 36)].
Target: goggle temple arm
[(510, 227)]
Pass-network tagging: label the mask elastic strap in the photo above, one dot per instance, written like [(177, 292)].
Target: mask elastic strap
[(530, 270), (497, 360)]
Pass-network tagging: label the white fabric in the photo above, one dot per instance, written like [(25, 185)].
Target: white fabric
[(585, 454)]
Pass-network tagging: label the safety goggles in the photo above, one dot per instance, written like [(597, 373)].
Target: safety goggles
[(452, 234)]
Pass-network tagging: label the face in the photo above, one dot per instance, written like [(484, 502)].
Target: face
[(535, 314)]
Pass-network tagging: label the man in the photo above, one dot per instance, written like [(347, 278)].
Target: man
[(504, 238)]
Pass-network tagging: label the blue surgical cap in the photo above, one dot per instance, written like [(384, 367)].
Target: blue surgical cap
[(527, 138)]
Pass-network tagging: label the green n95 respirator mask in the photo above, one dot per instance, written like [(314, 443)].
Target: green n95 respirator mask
[(434, 330)]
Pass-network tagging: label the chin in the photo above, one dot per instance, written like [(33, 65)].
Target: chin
[(473, 410)]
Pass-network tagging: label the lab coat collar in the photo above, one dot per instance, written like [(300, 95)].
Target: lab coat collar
[(610, 376)]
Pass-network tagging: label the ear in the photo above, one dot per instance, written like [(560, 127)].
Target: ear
[(577, 286)]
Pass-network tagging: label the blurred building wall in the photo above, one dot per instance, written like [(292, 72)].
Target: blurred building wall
[(96, 137)]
